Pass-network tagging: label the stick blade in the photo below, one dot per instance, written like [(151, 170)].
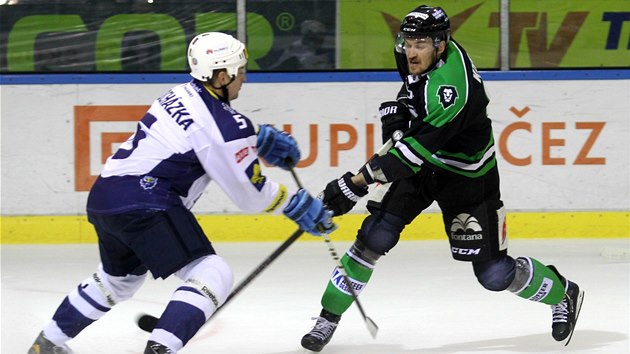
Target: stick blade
[(147, 322), (372, 327)]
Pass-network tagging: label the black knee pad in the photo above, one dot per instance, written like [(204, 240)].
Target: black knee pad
[(381, 232), (495, 274)]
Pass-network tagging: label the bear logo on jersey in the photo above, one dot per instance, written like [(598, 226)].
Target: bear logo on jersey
[(148, 182), (447, 95)]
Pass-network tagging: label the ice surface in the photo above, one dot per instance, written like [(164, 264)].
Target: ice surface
[(421, 299)]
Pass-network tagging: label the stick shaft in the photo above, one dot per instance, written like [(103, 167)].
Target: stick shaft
[(151, 321), (372, 327), (261, 267)]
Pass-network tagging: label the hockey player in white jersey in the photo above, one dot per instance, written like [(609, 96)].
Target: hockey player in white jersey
[(140, 203)]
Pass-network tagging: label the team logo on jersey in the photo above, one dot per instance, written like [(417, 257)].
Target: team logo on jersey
[(148, 182), (241, 154), (465, 227), (255, 175), (447, 95)]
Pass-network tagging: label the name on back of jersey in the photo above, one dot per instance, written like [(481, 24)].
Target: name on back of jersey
[(175, 108)]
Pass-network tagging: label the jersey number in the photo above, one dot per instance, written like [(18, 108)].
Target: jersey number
[(147, 120), (242, 122)]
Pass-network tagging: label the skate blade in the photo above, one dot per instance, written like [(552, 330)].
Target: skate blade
[(578, 307)]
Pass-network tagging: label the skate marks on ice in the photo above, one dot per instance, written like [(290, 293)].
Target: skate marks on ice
[(276, 310), (587, 342), (583, 341)]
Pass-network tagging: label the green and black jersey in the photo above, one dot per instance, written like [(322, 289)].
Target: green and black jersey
[(450, 130)]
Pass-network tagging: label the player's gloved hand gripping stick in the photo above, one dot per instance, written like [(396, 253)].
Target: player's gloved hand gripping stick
[(309, 213), (276, 147), (342, 195)]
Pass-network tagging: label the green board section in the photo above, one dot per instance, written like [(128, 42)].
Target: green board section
[(354, 34), (543, 34)]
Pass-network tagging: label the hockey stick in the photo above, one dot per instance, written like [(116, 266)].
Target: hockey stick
[(148, 322), (371, 325)]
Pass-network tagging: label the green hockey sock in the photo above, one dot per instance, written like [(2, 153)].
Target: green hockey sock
[(537, 282), (337, 298)]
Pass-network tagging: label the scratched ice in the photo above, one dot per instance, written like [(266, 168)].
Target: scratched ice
[(422, 301)]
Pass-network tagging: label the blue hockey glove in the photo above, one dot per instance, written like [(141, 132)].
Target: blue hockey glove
[(277, 148), (309, 213)]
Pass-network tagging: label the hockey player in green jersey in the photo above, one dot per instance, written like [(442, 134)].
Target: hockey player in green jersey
[(446, 153)]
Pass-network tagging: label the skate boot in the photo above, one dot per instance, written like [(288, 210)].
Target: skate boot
[(157, 348), (565, 313), (320, 335), (43, 346)]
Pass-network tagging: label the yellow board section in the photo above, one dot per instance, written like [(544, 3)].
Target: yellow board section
[(264, 228)]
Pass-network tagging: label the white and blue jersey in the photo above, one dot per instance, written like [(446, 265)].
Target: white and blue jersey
[(187, 139)]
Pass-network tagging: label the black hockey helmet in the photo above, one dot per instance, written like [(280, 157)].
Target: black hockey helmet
[(422, 22)]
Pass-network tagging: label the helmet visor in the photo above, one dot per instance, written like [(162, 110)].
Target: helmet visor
[(401, 38), (399, 45)]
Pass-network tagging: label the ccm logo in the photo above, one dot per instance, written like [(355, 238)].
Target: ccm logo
[(465, 251)]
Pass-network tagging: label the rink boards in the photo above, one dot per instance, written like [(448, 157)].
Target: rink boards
[(561, 141)]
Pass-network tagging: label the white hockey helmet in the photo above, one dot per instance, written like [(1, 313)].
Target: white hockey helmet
[(215, 50)]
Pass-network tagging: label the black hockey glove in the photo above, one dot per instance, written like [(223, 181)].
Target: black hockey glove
[(394, 116), (341, 195)]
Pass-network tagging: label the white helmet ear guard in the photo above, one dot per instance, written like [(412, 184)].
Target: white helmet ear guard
[(215, 50)]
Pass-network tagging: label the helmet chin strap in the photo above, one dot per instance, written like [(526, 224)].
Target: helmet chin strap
[(435, 57), (436, 46), (225, 95)]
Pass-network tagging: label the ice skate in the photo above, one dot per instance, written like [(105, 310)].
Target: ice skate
[(157, 348), (43, 346), (322, 332), (565, 314)]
